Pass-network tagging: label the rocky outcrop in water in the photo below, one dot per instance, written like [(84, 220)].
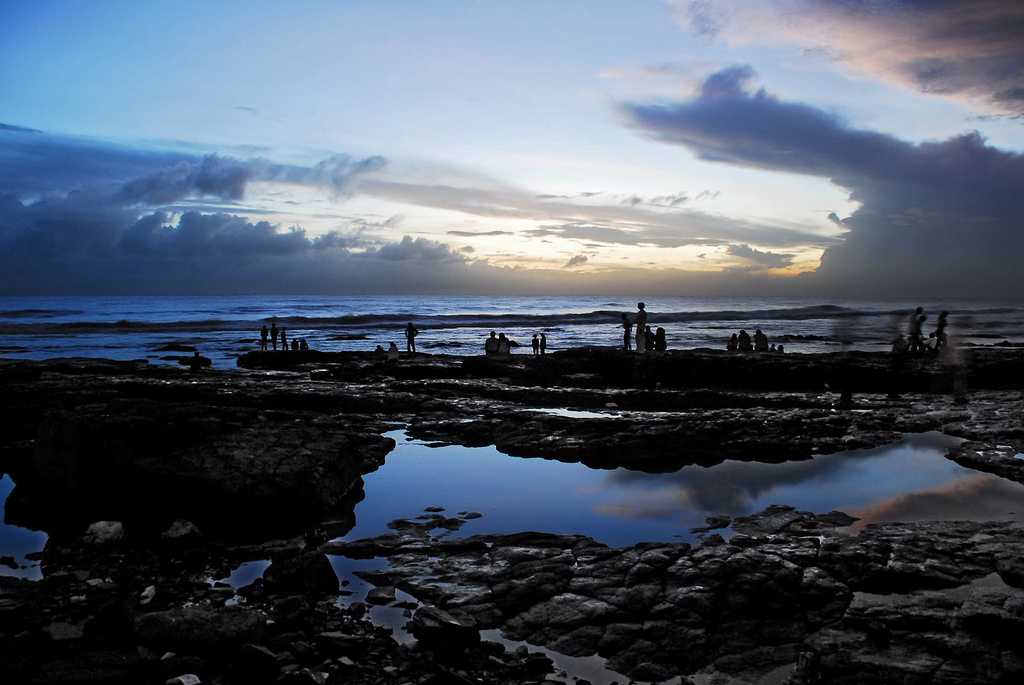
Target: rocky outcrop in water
[(915, 602)]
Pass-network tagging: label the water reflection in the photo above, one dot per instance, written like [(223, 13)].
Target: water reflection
[(16, 542), (908, 480)]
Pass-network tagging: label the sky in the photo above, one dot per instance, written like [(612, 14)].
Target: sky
[(852, 148)]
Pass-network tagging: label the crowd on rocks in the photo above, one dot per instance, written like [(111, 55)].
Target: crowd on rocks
[(269, 338), (742, 342), (914, 342)]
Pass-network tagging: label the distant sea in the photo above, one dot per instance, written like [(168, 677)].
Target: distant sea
[(223, 327)]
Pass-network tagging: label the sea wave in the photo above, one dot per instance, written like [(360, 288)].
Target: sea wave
[(483, 320)]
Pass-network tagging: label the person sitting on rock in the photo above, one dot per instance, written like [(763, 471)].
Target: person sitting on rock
[(491, 344), (273, 335), (648, 339), (659, 340), (196, 363), (760, 341), (303, 345), (780, 349), (772, 348), (392, 351), (295, 344), (263, 337), (733, 344), (744, 342), (504, 347), (627, 332), (536, 344)]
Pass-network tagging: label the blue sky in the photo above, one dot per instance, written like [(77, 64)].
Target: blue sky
[(510, 104)]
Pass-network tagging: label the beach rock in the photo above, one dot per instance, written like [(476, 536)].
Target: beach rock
[(443, 631), (199, 630), (307, 572), (104, 532)]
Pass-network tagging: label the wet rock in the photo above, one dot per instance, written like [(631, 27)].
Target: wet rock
[(199, 630), (104, 532), (182, 531), (308, 572), (381, 595), (443, 631)]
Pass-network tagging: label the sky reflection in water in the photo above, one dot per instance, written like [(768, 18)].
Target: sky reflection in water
[(909, 480)]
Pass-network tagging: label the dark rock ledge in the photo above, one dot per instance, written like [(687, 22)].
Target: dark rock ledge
[(937, 602)]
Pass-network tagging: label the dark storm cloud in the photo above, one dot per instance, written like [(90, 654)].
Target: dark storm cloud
[(971, 50), (32, 162), (935, 218), (759, 258), (84, 243), (575, 260)]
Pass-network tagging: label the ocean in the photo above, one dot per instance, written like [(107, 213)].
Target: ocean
[(223, 327)]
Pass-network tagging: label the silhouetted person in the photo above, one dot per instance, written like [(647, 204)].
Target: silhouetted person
[(659, 340), (504, 347), (263, 337), (196, 363), (491, 344), (627, 332), (536, 344), (641, 327), (303, 345), (295, 344), (284, 340), (392, 351), (760, 341), (733, 344), (772, 348), (744, 342), (410, 337), (940, 330), (543, 343), (914, 330), (273, 335), (780, 349)]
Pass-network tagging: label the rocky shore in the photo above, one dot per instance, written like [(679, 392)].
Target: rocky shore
[(190, 474)]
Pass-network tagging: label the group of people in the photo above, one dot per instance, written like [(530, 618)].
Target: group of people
[(500, 344), (742, 342), (915, 342), (645, 340), (275, 334)]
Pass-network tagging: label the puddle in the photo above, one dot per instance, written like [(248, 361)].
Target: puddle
[(907, 480), (16, 542), (578, 413)]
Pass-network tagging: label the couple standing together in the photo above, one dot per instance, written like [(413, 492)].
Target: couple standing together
[(641, 329)]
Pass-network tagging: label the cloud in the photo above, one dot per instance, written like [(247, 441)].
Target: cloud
[(970, 51), (576, 260), (477, 234), (33, 162), (759, 259), (935, 218)]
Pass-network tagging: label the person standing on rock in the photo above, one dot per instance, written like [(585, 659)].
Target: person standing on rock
[(641, 327), (536, 344), (410, 338), (263, 337), (273, 335), (543, 343), (284, 341), (627, 332)]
